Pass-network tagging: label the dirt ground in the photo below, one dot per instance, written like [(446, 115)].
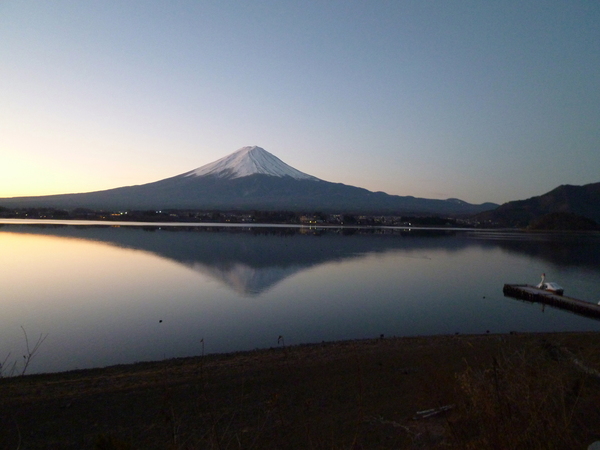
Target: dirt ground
[(490, 391)]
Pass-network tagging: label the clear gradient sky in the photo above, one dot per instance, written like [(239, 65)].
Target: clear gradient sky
[(478, 100)]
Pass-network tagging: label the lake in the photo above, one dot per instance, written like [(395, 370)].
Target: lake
[(119, 294)]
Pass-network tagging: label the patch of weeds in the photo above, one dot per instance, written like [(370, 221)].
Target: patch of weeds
[(109, 442), (529, 399)]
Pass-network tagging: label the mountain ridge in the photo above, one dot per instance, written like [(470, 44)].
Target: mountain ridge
[(249, 179), (577, 201)]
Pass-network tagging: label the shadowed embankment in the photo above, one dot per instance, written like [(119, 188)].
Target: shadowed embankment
[(490, 391)]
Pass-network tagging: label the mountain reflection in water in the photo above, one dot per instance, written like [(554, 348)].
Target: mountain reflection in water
[(250, 260)]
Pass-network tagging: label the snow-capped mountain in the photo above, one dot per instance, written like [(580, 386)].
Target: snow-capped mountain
[(249, 179), (249, 161)]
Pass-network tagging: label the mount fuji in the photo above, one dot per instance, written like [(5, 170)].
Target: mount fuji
[(249, 179)]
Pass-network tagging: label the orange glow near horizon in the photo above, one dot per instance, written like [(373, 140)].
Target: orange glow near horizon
[(25, 178), (56, 161), (22, 176)]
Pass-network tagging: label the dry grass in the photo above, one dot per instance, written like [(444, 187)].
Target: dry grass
[(540, 396), (510, 391)]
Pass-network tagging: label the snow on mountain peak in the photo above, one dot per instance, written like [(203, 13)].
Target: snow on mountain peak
[(249, 161)]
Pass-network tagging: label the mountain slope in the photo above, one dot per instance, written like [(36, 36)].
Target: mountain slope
[(250, 178), (581, 201)]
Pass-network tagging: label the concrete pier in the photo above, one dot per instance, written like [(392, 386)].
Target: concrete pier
[(536, 295)]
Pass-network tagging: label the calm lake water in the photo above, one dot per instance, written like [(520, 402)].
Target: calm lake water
[(108, 295)]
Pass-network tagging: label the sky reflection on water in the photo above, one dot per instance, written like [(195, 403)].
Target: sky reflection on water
[(101, 292)]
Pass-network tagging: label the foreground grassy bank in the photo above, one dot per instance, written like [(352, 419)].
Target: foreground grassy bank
[(491, 391)]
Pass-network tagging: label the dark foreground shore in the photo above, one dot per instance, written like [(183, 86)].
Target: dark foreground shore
[(492, 391)]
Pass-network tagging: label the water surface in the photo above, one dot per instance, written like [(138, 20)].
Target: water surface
[(110, 294)]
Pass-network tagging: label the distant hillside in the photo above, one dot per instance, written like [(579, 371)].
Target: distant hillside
[(563, 221), (565, 208)]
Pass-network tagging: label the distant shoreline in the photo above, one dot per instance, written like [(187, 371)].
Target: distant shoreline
[(225, 225), (116, 223)]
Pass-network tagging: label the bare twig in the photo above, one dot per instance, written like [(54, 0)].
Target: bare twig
[(432, 412), (3, 365), (31, 351)]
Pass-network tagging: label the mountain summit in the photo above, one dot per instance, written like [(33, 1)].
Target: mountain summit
[(249, 179), (249, 161)]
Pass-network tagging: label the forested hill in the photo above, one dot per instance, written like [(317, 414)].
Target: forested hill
[(562, 208)]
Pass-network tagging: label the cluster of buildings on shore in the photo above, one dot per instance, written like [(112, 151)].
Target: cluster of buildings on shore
[(279, 217)]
